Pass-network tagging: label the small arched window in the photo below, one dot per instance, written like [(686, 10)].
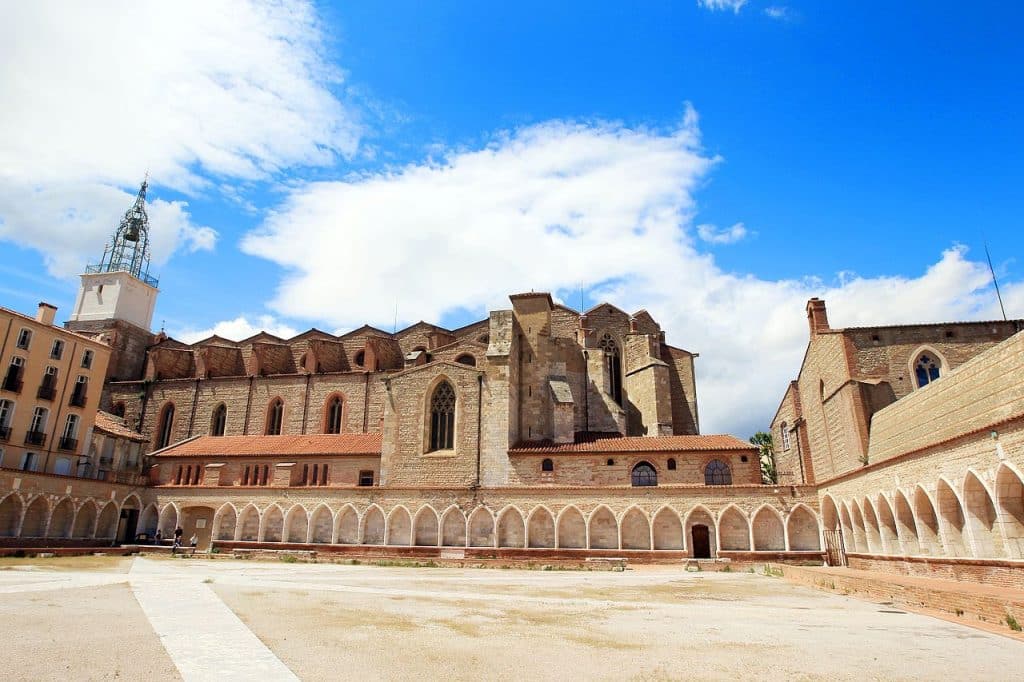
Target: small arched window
[(547, 465), (614, 362), (717, 473), (466, 359), (644, 475), (442, 417), (926, 369), (784, 434), (275, 415), (332, 417), (671, 464), (219, 421), (163, 433)]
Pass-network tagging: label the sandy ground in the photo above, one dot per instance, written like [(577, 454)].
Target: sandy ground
[(375, 623)]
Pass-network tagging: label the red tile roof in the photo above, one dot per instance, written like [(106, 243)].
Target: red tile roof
[(603, 443), (265, 446), (113, 425)]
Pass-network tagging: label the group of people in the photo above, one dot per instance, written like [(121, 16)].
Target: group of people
[(176, 545)]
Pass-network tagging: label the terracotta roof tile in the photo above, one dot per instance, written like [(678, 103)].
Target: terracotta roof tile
[(265, 446), (603, 443), (115, 426)]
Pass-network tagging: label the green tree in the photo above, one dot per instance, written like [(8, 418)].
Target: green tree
[(766, 453)]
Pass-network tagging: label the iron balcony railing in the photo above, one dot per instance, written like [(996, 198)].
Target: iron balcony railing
[(77, 399), (35, 437), (12, 383), (144, 276), (68, 443), (46, 392)]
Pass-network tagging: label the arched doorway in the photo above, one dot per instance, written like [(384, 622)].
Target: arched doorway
[(197, 521)]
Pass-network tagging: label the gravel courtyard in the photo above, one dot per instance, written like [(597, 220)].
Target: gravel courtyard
[(155, 619)]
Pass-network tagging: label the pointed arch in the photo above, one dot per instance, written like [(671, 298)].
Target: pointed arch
[(399, 527), (928, 532), (224, 522), (734, 529), (85, 521), (768, 530), (540, 528), (272, 524), (106, 524), (373, 526), (248, 529), (951, 519), (667, 529), (275, 417), (165, 426), (61, 517), (572, 529), (847, 526), (860, 534), (219, 420), (11, 510), (511, 528), (441, 412), (906, 526), (829, 513), (481, 528), (296, 525), (635, 530), (1010, 500), (425, 527), (453, 527), (149, 521), (335, 413), (874, 535), (926, 364), (887, 526), (700, 522), (802, 530), (321, 525), (131, 502), (347, 525), (981, 519), (602, 529), (168, 520)]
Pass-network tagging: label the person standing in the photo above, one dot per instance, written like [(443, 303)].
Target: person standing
[(193, 541), (178, 532)]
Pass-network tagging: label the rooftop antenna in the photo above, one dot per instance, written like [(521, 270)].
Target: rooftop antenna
[(995, 282)]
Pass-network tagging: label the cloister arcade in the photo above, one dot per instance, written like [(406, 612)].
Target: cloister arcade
[(42, 516), (570, 527), (967, 518)]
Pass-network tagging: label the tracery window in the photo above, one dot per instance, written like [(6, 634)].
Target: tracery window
[(644, 475), (717, 473), (220, 420), (926, 369), (614, 361), (275, 415), (332, 419), (163, 438), (442, 417)]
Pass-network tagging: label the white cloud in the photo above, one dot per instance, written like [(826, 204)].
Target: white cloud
[(237, 329), (717, 5), (779, 13), (95, 95), (557, 205), (725, 235)]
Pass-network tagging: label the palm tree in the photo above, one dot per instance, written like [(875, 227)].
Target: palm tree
[(766, 453)]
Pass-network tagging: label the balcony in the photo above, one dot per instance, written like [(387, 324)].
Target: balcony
[(66, 443), (77, 399), (35, 438), (12, 384), (46, 392), (5, 432)]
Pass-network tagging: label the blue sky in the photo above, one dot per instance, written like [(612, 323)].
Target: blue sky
[(717, 162)]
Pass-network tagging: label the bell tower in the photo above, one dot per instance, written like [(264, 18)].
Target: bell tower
[(117, 296)]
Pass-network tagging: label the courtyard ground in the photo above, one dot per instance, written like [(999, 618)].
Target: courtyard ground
[(156, 619)]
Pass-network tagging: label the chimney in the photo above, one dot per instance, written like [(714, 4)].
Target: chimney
[(817, 317), (46, 314)]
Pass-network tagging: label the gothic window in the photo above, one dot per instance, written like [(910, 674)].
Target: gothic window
[(717, 473), (926, 369), (466, 359), (332, 417), (547, 465), (442, 418), (275, 414), (220, 419), (784, 433), (644, 475), (614, 361), (166, 425)]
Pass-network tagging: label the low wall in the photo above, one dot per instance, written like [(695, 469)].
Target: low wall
[(1001, 572)]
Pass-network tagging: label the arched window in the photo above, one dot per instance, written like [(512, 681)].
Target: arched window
[(926, 369), (332, 415), (784, 434), (612, 358), (671, 464), (275, 414), (442, 417), (466, 359), (360, 358), (644, 475), (717, 473), (547, 465), (219, 421), (163, 433)]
